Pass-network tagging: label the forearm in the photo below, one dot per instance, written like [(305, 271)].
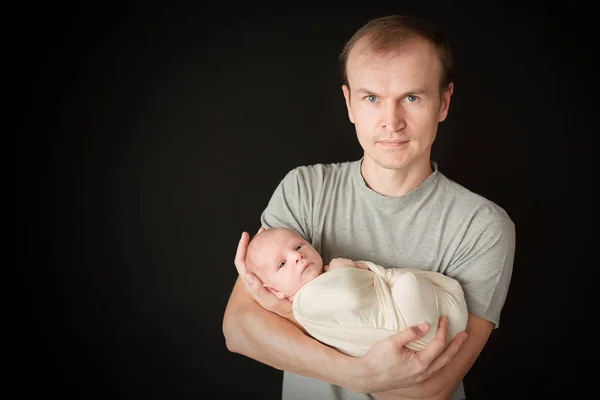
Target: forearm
[(396, 395), (264, 336), (415, 393)]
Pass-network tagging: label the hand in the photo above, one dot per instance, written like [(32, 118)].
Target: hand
[(361, 265), (338, 262), (390, 365), (254, 287)]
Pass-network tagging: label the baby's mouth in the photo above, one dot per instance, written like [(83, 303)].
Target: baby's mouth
[(306, 266)]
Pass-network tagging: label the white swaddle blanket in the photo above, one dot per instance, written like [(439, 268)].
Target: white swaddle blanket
[(351, 309)]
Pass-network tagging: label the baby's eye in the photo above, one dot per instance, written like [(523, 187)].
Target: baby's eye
[(298, 247), (372, 98), (281, 264)]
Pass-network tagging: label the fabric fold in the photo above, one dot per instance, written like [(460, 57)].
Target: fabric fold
[(351, 309)]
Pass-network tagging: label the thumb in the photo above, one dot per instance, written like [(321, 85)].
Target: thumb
[(409, 334)]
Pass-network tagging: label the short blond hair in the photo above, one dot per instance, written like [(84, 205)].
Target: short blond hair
[(390, 33)]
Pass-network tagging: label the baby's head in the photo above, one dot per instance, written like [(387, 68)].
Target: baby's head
[(283, 261)]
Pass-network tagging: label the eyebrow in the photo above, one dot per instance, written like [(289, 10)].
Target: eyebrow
[(295, 243), (367, 91)]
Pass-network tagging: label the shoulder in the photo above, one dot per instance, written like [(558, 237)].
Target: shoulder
[(324, 169), (477, 209), (320, 174)]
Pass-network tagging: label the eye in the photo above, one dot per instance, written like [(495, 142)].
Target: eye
[(281, 264), (411, 98), (372, 98), (298, 247)]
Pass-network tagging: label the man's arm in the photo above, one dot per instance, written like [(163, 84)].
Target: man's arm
[(252, 329), (444, 382), (264, 336), (483, 267), (258, 325)]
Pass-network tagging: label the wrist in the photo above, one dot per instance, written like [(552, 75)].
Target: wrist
[(351, 373)]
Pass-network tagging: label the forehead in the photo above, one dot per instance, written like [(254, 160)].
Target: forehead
[(414, 64), (275, 245), (280, 238)]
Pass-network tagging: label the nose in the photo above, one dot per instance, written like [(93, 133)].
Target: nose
[(393, 119), (297, 257)]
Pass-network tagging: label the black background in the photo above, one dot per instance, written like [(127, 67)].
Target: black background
[(160, 132)]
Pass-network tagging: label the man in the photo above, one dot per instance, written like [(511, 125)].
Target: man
[(393, 207)]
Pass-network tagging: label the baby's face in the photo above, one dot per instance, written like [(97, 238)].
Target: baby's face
[(288, 262)]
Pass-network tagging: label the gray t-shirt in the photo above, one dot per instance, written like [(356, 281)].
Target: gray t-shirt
[(439, 226)]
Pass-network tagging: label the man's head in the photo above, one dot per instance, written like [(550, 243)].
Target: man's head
[(283, 261), (388, 34), (397, 75)]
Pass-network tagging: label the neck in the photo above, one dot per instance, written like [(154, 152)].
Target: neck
[(394, 182)]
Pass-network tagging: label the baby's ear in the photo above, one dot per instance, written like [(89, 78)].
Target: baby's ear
[(276, 292), (280, 295)]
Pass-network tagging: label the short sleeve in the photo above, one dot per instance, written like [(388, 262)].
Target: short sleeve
[(289, 206), (484, 267)]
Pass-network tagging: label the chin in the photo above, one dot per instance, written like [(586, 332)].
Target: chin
[(313, 272), (392, 163)]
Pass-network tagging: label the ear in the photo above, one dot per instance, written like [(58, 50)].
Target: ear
[(346, 91), (277, 293), (446, 102)]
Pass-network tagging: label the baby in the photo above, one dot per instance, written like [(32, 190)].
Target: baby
[(350, 305), (284, 261)]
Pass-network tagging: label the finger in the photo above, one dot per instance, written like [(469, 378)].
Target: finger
[(252, 284), (362, 265), (447, 355), (326, 268), (260, 230), (255, 288), (438, 344), (240, 254)]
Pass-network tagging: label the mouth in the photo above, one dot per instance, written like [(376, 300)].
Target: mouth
[(306, 266), (393, 143)]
